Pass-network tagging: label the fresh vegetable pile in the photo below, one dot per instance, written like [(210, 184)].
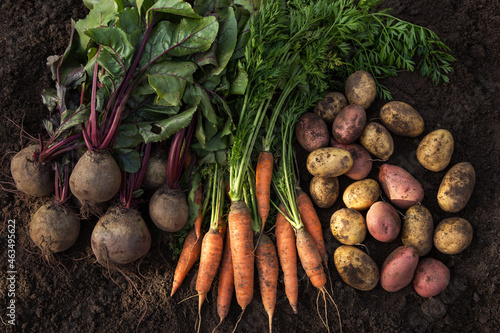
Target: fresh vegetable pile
[(375, 207), (216, 90)]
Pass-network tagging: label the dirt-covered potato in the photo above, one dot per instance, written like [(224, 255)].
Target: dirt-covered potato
[(453, 235), (311, 132), (402, 119), (329, 107), (431, 277), (349, 124), (435, 150), (418, 229), (400, 186), (456, 187), (383, 222), (329, 162), (360, 88), (362, 194), (356, 268), (362, 160), (398, 269), (377, 140), (324, 191), (348, 226)]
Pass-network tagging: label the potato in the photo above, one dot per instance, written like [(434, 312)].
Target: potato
[(312, 132), (348, 226), (377, 140), (329, 107), (402, 119), (362, 160), (356, 268), (456, 187), (400, 187), (435, 150), (398, 269), (324, 191), (349, 124), (453, 235), (431, 277), (383, 222), (362, 194), (418, 229), (360, 88), (329, 162)]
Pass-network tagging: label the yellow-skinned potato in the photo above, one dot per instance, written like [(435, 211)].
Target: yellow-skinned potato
[(435, 150), (402, 119), (453, 235), (348, 226), (329, 162), (456, 187), (377, 140), (324, 191), (360, 89), (329, 107), (362, 194), (356, 268), (418, 229)]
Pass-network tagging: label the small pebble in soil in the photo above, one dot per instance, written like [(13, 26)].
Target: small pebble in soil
[(433, 307)]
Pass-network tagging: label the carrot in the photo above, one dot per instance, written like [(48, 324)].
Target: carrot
[(240, 228), (190, 252), (263, 177), (287, 251), (226, 282), (268, 269), (310, 258), (312, 223), (211, 253), (199, 218)]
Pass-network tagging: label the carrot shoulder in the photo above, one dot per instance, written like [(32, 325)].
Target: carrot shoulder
[(240, 229), (287, 252), (268, 269), (189, 254), (312, 223)]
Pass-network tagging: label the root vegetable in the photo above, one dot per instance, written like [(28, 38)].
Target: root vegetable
[(312, 132), (361, 89), (324, 191), (348, 226), (120, 237), (30, 176), (96, 177), (168, 209), (268, 269), (329, 107), (156, 172), (54, 228), (356, 268)]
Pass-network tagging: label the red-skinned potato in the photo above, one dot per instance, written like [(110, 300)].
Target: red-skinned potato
[(349, 124), (383, 222), (398, 269), (399, 185), (431, 277), (362, 160), (312, 132)]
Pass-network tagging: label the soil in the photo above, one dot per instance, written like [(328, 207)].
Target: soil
[(75, 293)]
